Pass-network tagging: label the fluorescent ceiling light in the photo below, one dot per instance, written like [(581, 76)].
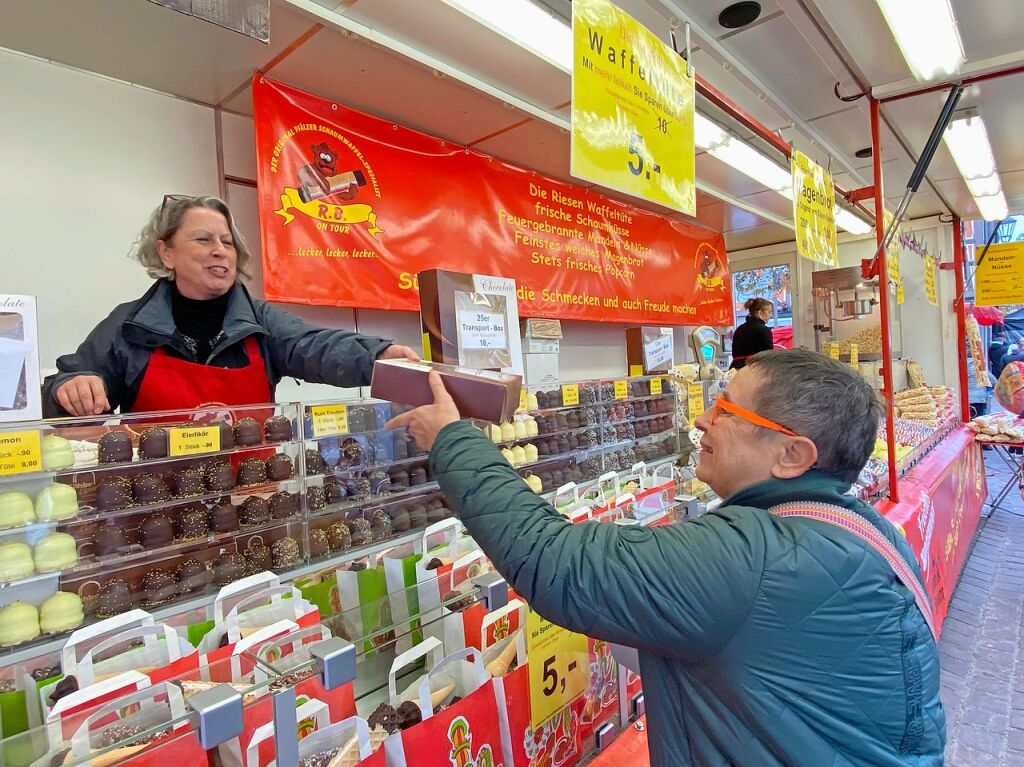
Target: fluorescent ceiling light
[(926, 33), (850, 222), (525, 24), (967, 140)]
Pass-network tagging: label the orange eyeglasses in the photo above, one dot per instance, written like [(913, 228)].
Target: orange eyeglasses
[(746, 415)]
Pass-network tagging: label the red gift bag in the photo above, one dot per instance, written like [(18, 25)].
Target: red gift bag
[(364, 752), (556, 743), (601, 698), (467, 732)]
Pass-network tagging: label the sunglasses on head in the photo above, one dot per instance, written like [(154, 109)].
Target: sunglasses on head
[(732, 408), (174, 198)]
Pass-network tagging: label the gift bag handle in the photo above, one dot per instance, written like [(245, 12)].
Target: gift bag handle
[(260, 598), (116, 624), (514, 605), (470, 655), (622, 500), (609, 477), (80, 745), (583, 512), (567, 488), (150, 636), (450, 528), (240, 588), (97, 690), (431, 646), (262, 635), (319, 632)]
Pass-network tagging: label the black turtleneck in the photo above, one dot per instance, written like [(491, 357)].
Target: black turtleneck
[(200, 323)]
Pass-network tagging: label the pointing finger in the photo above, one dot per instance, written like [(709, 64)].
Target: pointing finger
[(441, 395)]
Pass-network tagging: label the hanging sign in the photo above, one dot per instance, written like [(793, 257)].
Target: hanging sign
[(814, 218), (557, 666), (352, 207), (632, 109), (892, 259), (999, 278), (855, 356), (930, 289)]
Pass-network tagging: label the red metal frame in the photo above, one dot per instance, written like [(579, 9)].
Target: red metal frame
[(883, 295), (961, 317)]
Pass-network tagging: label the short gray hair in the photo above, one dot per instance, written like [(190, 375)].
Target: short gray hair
[(824, 400), (164, 223)]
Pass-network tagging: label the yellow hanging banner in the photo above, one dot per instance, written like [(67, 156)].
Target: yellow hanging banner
[(930, 288), (814, 218), (632, 109), (999, 278), (892, 259)]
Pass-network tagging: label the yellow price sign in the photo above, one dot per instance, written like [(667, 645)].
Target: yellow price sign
[(632, 108), (855, 356), (999, 279), (930, 287), (655, 386), (833, 350), (20, 452), (558, 667), (621, 390), (192, 440), (522, 401), (694, 401), (329, 419), (570, 394), (814, 220), (636, 370), (899, 292)]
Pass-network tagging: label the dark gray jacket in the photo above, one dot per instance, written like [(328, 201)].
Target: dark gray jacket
[(118, 349)]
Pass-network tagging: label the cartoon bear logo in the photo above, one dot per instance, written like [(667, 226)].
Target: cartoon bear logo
[(325, 158)]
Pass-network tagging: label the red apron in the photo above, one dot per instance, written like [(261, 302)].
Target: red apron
[(174, 384)]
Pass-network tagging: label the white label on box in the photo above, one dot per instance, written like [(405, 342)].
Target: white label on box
[(482, 330), (659, 352)]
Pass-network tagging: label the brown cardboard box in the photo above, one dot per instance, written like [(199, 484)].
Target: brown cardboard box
[(483, 394), (641, 343)]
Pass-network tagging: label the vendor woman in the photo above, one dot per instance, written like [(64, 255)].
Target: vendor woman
[(754, 335), (197, 336)]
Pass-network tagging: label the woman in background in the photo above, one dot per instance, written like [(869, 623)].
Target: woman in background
[(754, 335)]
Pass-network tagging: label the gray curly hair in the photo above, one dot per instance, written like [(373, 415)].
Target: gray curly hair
[(164, 223)]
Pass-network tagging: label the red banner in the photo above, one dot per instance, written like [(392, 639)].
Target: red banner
[(941, 502), (353, 207)]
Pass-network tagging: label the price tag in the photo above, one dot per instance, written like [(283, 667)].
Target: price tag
[(621, 390), (570, 394), (833, 350), (636, 370), (522, 401), (558, 667), (694, 401), (854, 356), (20, 452), (655, 386), (189, 440), (329, 419)]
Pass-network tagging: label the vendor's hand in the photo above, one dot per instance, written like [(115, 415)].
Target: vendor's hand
[(396, 352), (426, 422), (83, 395)]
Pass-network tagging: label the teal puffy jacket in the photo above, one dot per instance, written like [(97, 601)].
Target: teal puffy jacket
[(764, 642)]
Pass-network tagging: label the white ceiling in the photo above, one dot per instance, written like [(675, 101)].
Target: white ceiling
[(781, 70)]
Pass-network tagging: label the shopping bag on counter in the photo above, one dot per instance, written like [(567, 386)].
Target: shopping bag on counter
[(289, 655), (113, 723), (233, 663), (461, 723), (310, 716), (252, 603), (365, 609), (352, 741), (1010, 388), (402, 568), (601, 697), (449, 603), (504, 657)]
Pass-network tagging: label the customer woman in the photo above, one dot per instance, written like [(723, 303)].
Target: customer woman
[(754, 335), (197, 337)]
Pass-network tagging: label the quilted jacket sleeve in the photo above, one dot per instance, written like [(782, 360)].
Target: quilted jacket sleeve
[(318, 355), (679, 591)]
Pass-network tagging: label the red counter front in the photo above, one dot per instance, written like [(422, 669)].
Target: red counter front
[(940, 504)]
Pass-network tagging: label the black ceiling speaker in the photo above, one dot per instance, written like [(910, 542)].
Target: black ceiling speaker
[(863, 154), (739, 15)]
